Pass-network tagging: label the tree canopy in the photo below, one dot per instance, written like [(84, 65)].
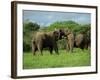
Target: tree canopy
[(28, 30)]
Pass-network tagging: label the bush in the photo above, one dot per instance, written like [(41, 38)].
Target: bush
[(62, 44)]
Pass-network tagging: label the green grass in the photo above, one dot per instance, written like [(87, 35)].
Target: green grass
[(64, 59)]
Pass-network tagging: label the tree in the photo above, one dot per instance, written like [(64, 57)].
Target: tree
[(28, 29)]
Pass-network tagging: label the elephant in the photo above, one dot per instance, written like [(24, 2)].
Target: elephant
[(69, 36), (88, 39), (43, 40), (82, 40)]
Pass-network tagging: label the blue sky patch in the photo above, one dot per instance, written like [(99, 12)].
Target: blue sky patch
[(45, 18)]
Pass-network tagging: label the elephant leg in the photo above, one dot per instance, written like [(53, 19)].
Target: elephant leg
[(50, 49), (71, 45), (89, 47), (56, 49), (86, 46), (33, 48), (67, 46), (71, 49), (39, 46), (82, 47)]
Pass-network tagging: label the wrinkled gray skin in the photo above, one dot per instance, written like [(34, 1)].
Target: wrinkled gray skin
[(69, 38), (82, 40), (43, 40)]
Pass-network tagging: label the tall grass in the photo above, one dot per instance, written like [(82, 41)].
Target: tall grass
[(64, 59)]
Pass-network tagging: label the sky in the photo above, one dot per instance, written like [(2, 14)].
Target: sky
[(45, 18)]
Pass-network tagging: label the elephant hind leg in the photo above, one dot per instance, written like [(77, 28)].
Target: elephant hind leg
[(34, 48), (40, 48), (56, 49)]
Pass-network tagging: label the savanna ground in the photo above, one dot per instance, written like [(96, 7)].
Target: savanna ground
[(64, 59)]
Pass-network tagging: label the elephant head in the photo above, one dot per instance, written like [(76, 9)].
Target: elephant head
[(69, 36), (64, 33), (56, 34)]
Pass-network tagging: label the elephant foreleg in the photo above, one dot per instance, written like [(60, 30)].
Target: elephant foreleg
[(50, 49), (56, 49), (71, 46), (67, 46)]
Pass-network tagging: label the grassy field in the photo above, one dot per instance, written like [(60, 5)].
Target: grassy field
[(64, 59)]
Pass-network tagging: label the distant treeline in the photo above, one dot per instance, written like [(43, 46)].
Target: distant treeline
[(29, 28)]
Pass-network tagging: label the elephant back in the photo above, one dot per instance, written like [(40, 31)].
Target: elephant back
[(79, 38), (39, 36)]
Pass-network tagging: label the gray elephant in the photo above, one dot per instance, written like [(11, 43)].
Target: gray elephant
[(82, 40), (88, 39), (43, 40), (69, 36)]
